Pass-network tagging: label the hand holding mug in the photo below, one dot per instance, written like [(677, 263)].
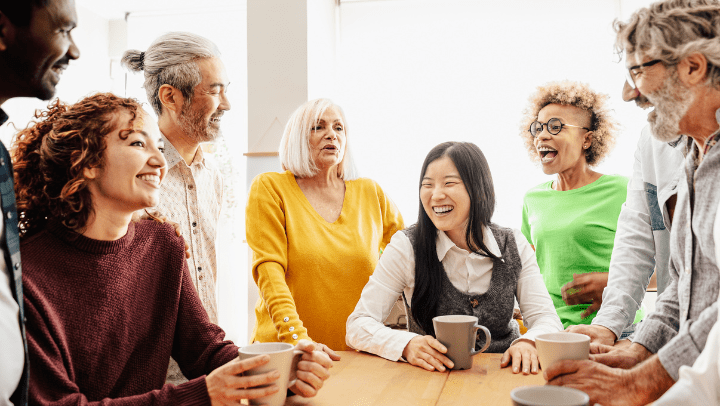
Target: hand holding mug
[(312, 370), (427, 352), (227, 386)]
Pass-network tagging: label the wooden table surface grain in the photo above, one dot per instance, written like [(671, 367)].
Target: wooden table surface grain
[(361, 379)]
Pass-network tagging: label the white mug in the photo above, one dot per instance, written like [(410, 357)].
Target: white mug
[(283, 358), (553, 347)]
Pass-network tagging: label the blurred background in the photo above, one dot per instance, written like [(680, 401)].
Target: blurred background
[(408, 73)]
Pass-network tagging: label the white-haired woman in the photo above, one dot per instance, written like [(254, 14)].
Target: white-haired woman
[(316, 231)]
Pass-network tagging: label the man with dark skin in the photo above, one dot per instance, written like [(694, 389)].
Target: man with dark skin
[(671, 54), (35, 48)]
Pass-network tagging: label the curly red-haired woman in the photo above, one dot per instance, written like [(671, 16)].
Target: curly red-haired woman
[(110, 300)]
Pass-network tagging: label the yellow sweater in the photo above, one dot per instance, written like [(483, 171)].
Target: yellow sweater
[(310, 273)]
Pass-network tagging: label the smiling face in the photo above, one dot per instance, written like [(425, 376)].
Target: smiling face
[(327, 140), (200, 119), (660, 87), (445, 199), (132, 169), (34, 57), (566, 150)]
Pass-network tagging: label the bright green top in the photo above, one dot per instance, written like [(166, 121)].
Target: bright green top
[(573, 232)]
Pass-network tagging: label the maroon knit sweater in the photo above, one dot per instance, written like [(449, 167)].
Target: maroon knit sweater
[(104, 317)]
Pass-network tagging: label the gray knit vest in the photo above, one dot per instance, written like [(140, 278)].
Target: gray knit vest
[(494, 308)]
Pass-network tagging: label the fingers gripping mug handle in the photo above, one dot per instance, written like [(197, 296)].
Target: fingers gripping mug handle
[(487, 339), (297, 355)]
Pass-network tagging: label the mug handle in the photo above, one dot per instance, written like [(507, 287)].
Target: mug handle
[(297, 354), (487, 339)]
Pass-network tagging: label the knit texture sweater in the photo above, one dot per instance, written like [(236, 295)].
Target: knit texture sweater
[(104, 317), (310, 273)]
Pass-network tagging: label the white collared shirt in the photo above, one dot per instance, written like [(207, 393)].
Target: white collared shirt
[(470, 273)]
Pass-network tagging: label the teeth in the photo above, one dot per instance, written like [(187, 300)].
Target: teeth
[(545, 149), (442, 209), (150, 178)]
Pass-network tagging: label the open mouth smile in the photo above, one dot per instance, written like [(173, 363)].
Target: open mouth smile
[(153, 180), (442, 210), (547, 154)]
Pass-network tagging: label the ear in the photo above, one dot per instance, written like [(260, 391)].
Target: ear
[(692, 70), (588, 139), (171, 98), (90, 173), (7, 32)]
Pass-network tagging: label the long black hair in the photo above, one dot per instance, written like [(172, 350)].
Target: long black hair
[(475, 174)]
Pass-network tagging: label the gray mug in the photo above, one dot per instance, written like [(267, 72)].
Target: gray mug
[(458, 333)]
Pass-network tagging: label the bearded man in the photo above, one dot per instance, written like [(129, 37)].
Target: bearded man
[(673, 58), (185, 81)]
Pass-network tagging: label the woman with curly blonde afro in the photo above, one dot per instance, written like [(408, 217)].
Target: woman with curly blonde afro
[(571, 220)]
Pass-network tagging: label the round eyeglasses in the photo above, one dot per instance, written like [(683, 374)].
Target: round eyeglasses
[(554, 126)]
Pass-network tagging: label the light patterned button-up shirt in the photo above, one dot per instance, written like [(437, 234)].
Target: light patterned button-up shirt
[(192, 197)]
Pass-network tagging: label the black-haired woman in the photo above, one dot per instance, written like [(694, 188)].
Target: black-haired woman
[(455, 261)]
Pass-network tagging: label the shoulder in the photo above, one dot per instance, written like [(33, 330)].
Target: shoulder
[(538, 190), (275, 179), (616, 181), (159, 235), (365, 184)]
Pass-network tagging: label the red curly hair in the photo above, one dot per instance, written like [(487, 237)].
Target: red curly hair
[(50, 155)]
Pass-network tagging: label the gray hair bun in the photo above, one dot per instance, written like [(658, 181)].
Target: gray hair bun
[(133, 60)]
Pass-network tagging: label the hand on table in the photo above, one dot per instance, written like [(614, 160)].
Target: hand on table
[(312, 370), (585, 288), (606, 386), (624, 357), (522, 353), (427, 352), (227, 386), (597, 334)]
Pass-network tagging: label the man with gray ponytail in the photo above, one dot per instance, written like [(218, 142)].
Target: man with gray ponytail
[(185, 82), (35, 48)]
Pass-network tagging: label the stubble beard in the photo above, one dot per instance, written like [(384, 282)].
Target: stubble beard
[(672, 101), (192, 123)]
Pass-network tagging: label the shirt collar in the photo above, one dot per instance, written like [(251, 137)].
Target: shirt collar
[(3, 117), (172, 156), (444, 244)]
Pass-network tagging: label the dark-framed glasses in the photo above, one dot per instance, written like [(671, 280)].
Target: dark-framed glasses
[(554, 126), (633, 71)]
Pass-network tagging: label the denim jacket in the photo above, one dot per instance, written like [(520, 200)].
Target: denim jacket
[(642, 240), (12, 253)]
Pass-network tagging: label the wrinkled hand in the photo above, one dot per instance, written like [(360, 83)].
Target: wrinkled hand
[(324, 348), (606, 386), (312, 370), (160, 218), (227, 386), (523, 354), (586, 288), (427, 352), (624, 357), (597, 334)]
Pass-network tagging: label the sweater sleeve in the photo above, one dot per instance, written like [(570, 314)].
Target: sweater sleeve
[(267, 237), (392, 219), (51, 382), (198, 346)]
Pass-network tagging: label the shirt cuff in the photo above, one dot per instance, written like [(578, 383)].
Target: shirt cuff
[(613, 318), (653, 335), (193, 392), (681, 351)]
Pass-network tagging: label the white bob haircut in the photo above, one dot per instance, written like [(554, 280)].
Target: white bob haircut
[(295, 155)]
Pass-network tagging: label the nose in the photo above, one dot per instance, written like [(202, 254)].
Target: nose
[(224, 102), (438, 193), (157, 159), (331, 134), (628, 93), (73, 51), (542, 135)]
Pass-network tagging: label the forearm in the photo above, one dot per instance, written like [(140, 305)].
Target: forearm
[(279, 303), (648, 381)]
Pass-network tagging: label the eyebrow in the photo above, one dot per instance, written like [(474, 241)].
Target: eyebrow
[(445, 177)]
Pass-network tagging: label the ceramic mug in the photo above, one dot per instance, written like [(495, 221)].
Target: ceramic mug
[(458, 334), (553, 347), (283, 358), (548, 396)]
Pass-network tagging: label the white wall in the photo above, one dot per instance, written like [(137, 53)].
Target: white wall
[(414, 73)]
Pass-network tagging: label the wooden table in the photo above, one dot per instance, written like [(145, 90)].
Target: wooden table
[(361, 379)]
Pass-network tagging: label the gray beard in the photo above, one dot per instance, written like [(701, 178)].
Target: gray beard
[(191, 123), (671, 103)]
